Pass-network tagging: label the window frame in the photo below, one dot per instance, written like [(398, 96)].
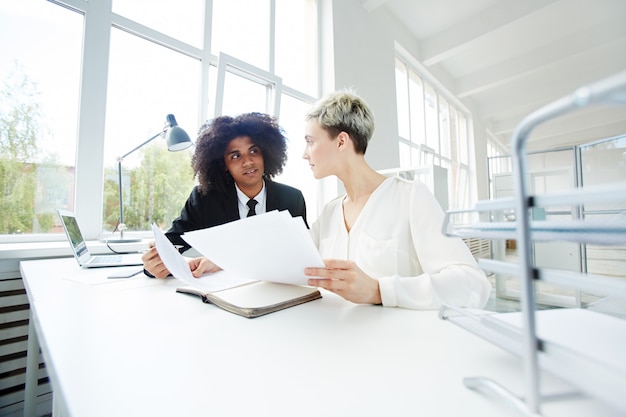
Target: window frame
[(272, 83), (89, 167), (428, 155)]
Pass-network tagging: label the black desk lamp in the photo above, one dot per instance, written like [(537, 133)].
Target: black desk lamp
[(177, 140)]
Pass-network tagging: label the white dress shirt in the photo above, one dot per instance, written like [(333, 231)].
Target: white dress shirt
[(397, 239), (260, 198)]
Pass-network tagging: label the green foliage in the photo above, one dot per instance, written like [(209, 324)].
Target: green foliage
[(156, 192), (46, 220), (20, 126), (30, 192)]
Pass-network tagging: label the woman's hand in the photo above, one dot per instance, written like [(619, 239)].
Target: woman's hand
[(200, 266), (346, 279)]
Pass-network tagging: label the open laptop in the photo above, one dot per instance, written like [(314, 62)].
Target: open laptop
[(81, 253)]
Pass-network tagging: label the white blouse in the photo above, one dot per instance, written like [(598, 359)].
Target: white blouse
[(397, 239)]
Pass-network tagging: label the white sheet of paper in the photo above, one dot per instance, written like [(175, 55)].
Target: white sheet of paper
[(179, 268), (99, 276), (270, 247)]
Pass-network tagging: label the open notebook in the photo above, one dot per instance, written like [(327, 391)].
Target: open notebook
[(232, 292), (81, 253)]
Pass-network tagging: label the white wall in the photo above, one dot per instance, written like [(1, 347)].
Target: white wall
[(364, 60)]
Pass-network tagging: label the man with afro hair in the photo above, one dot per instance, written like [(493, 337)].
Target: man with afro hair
[(235, 160)]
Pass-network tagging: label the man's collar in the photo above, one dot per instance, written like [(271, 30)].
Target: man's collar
[(260, 197)]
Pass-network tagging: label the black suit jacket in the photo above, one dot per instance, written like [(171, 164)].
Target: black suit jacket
[(215, 208)]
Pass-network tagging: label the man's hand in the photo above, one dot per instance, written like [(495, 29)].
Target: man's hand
[(152, 263)]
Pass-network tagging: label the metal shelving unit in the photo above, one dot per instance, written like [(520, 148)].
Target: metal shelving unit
[(591, 375)]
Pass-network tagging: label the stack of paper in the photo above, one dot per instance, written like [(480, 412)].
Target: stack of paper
[(177, 265), (259, 256), (269, 247)]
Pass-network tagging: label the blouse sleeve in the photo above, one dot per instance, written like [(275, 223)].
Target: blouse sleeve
[(450, 273)]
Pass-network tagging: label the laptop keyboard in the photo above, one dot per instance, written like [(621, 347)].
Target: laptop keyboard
[(106, 259)]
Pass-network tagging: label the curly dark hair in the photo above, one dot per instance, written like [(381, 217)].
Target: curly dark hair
[(214, 136)]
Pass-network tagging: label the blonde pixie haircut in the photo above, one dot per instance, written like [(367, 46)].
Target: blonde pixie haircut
[(344, 111)]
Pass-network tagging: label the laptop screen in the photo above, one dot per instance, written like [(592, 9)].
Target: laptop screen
[(73, 233)]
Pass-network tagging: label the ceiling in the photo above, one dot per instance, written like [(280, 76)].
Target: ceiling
[(507, 58)]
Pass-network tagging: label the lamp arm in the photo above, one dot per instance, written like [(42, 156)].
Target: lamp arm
[(122, 226), (143, 144)]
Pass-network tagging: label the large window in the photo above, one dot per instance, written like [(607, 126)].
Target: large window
[(434, 136), (40, 75), (85, 82)]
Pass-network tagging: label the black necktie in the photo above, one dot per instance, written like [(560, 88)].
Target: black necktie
[(251, 203)]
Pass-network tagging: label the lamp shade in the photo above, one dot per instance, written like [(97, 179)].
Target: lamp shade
[(175, 137)]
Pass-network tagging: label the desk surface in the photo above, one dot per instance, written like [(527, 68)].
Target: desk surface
[(136, 347)]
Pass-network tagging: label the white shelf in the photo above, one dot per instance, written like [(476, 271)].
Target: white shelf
[(594, 283), (606, 232), (585, 348), (589, 355)]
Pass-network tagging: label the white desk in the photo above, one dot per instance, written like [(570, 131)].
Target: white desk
[(135, 347)]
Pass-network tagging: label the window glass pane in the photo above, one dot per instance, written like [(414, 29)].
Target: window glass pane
[(240, 28), (142, 91), (454, 134), (402, 100), (432, 118), (182, 20), (242, 95), (296, 44), (444, 128), (604, 162), (416, 95), (463, 140), (297, 172), (40, 76), (462, 195)]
